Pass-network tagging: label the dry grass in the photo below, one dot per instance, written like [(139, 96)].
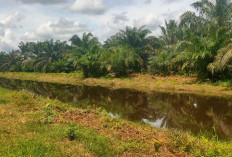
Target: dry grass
[(146, 82), (25, 132)]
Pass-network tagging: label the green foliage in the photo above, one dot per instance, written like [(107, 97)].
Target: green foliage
[(124, 61), (48, 114), (160, 63), (30, 148), (191, 45), (200, 146), (157, 146), (86, 55), (23, 99), (60, 66), (199, 44), (3, 98)]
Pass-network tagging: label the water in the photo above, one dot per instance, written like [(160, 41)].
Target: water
[(187, 112)]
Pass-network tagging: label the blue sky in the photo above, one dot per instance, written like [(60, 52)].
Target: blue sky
[(35, 20)]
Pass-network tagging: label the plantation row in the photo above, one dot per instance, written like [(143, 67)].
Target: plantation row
[(199, 43)]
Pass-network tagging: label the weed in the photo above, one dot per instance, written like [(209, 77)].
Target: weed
[(23, 99), (48, 114), (29, 148), (157, 146), (70, 133), (98, 143)]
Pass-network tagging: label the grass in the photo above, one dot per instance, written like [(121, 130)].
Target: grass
[(223, 84), (97, 143), (34, 126), (3, 98), (141, 82)]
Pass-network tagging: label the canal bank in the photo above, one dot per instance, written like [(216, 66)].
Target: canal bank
[(198, 114), (144, 83), (35, 126)]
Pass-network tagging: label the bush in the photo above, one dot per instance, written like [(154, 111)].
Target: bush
[(23, 99), (124, 61), (48, 114)]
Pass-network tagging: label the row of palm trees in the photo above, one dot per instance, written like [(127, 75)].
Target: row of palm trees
[(199, 43)]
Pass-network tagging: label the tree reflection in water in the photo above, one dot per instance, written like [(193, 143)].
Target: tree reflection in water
[(194, 113)]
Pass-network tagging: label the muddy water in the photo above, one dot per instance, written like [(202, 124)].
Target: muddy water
[(194, 113)]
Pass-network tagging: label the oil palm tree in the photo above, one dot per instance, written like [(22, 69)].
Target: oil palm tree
[(85, 55), (45, 53), (139, 40), (171, 33), (81, 46), (204, 34), (11, 61)]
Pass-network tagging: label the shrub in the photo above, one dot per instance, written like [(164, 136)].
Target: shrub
[(23, 99), (124, 61), (48, 114)]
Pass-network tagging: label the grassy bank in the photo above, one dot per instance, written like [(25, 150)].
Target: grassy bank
[(147, 83), (33, 126)]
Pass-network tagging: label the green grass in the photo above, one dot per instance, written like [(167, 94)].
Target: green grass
[(33, 148), (98, 143), (28, 129), (223, 84), (3, 98)]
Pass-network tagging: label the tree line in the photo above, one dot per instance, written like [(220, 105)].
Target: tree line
[(198, 43)]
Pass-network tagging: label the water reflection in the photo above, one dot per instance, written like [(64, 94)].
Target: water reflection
[(164, 110)]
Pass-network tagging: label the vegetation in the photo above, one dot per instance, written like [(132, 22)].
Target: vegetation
[(70, 131), (199, 43), (140, 82)]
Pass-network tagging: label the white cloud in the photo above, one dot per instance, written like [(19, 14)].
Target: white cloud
[(150, 20), (170, 1), (89, 7), (7, 26), (45, 21), (7, 41), (147, 1), (63, 29), (120, 17), (114, 23), (44, 2), (11, 21)]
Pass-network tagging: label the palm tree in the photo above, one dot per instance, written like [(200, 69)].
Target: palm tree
[(206, 33), (11, 61), (60, 66), (84, 43), (139, 40), (171, 33), (85, 55), (81, 46), (45, 53)]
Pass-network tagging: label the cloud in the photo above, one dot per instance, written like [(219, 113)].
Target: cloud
[(44, 2), (63, 29), (7, 41), (170, 1), (172, 15), (117, 3), (151, 21), (44, 18), (7, 26), (120, 17), (147, 1), (117, 21), (114, 23), (11, 21), (89, 7)]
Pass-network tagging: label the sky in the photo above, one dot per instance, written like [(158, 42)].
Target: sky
[(40, 20)]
